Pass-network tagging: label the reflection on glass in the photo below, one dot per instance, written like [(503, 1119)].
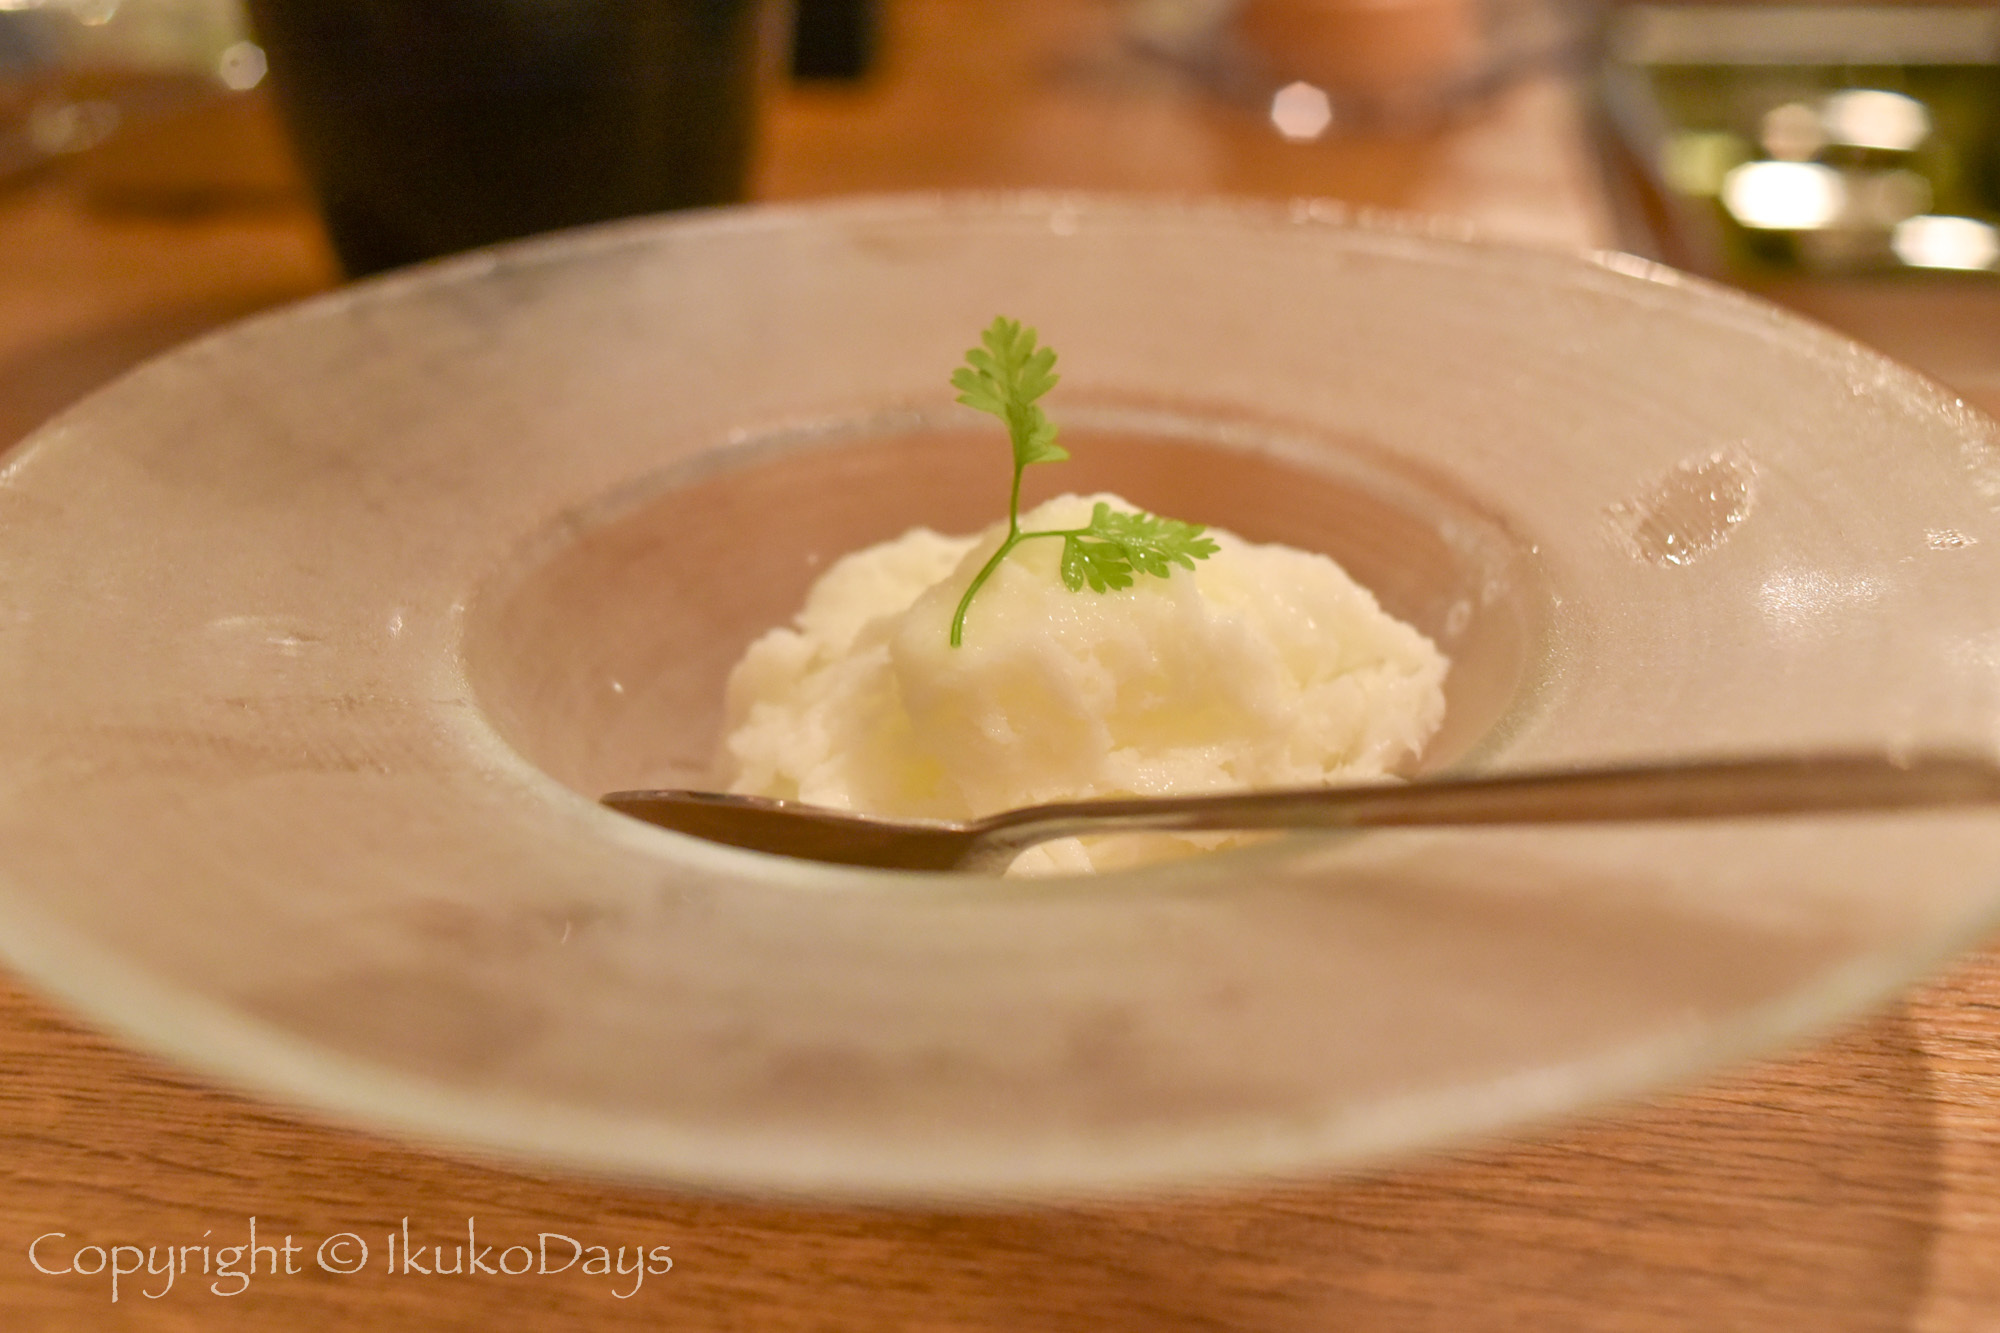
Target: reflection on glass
[(91, 12), (74, 73), (1792, 132), (1946, 242), (1301, 111), (1871, 118), (1801, 597), (1831, 182), (1833, 139), (241, 66), (1784, 196)]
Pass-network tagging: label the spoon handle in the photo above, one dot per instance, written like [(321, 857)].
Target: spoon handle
[(1714, 789)]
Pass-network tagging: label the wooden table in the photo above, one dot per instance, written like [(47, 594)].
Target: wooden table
[(1853, 1187)]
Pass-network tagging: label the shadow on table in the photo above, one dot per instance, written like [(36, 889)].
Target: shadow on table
[(1790, 1200), (1799, 1195)]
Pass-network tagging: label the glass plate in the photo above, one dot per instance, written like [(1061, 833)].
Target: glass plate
[(320, 635)]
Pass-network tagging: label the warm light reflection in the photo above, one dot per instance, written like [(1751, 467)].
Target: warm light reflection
[(241, 67), (1301, 112), (1945, 242), (1784, 196), (94, 13), (1871, 118), (1804, 597), (71, 127), (1792, 132)]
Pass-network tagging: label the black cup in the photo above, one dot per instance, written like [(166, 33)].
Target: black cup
[(432, 126)]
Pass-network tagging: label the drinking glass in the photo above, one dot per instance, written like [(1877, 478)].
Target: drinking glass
[(439, 126)]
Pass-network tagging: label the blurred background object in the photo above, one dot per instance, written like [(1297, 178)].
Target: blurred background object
[(1821, 140), (434, 127), (141, 100), (1322, 65), (112, 255), (835, 39), (1840, 159), (1070, 95)]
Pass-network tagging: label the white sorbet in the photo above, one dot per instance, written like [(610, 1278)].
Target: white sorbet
[(1265, 666)]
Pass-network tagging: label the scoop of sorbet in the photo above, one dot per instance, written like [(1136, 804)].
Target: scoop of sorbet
[(1265, 666)]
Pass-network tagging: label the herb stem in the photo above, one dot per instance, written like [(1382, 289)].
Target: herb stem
[(1003, 377), (1014, 538), (993, 562), (985, 573), (1014, 507)]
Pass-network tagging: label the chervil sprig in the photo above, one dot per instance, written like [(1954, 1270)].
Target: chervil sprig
[(1005, 376), (1106, 552)]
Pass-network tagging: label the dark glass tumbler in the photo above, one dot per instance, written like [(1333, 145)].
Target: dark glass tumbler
[(431, 126)]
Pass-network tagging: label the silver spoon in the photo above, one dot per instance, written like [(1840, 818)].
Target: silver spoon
[(1707, 789)]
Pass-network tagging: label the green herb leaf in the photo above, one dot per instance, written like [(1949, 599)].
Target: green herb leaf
[(1004, 376), (1104, 554)]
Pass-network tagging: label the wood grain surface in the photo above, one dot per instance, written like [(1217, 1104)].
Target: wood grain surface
[(1849, 1189), (1854, 1186)]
